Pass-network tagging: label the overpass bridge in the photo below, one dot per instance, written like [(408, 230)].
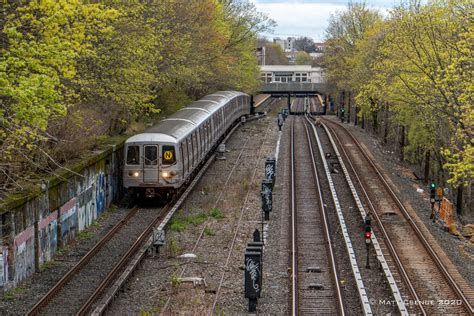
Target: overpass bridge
[(305, 88), (292, 80)]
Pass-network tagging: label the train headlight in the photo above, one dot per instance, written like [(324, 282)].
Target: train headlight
[(134, 174), (168, 174)]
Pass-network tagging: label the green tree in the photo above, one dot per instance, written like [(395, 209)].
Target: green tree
[(73, 72), (274, 55), (305, 44), (38, 59), (303, 58)]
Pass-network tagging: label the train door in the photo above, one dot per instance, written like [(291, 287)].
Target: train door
[(150, 164)]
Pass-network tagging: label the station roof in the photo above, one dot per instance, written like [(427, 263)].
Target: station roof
[(289, 68)]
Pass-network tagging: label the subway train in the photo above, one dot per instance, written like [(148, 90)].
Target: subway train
[(162, 158)]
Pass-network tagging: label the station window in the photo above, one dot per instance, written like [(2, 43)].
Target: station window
[(151, 155), (169, 155), (133, 155)]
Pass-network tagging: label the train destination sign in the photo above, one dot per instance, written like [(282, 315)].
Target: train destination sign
[(168, 155)]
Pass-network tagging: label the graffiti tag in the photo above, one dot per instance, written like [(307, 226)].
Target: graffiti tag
[(253, 269)]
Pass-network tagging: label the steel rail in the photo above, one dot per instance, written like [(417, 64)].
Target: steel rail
[(118, 267), (43, 302), (340, 303), (294, 280), (412, 223), (390, 246), (164, 218), (139, 254)]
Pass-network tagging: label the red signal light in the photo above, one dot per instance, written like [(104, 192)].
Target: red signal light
[(368, 235)]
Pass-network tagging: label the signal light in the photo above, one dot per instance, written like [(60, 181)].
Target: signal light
[(367, 229), (432, 191)]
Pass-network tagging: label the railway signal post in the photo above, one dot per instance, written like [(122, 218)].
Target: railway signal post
[(252, 277), (270, 169), (367, 236), (432, 198)]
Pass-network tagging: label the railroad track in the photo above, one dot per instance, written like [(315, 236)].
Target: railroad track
[(436, 286), (381, 286), (78, 291), (297, 106), (70, 293), (314, 281)]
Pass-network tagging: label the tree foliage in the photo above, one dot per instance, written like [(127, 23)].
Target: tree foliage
[(72, 70), (274, 55), (419, 63), (305, 44), (303, 58)]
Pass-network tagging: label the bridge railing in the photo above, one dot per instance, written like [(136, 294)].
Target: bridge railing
[(293, 87)]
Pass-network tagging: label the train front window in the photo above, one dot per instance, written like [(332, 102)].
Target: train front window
[(133, 155), (151, 155), (169, 156)]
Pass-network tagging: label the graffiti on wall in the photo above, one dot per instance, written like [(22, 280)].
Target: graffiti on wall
[(4, 266), (86, 209), (68, 220), (24, 254), (48, 235), (100, 193), (87, 198)]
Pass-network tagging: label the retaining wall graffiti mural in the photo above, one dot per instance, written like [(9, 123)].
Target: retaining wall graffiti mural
[(56, 215)]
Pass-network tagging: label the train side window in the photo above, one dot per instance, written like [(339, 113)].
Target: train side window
[(133, 155), (198, 142), (195, 149), (191, 150), (151, 155), (168, 155), (186, 156), (208, 130), (182, 157), (222, 118), (203, 142)]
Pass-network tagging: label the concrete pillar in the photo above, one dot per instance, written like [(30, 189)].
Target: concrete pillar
[(252, 105), (289, 103)]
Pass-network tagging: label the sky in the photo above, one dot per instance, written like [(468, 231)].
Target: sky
[(308, 17)]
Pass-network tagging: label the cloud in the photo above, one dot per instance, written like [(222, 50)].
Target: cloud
[(300, 19), (375, 3), (306, 18)]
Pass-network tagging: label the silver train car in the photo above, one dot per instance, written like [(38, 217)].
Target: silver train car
[(162, 158)]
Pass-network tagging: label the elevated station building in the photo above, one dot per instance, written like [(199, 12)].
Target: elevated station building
[(291, 73)]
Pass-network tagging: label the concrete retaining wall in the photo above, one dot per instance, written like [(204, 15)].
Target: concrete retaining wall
[(33, 227)]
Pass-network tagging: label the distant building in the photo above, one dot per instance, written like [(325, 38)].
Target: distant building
[(318, 50), (287, 44), (260, 52), (319, 47), (291, 55), (291, 73)]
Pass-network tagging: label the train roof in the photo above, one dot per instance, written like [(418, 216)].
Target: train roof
[(193, 114), (185, 120), (151, 138)]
